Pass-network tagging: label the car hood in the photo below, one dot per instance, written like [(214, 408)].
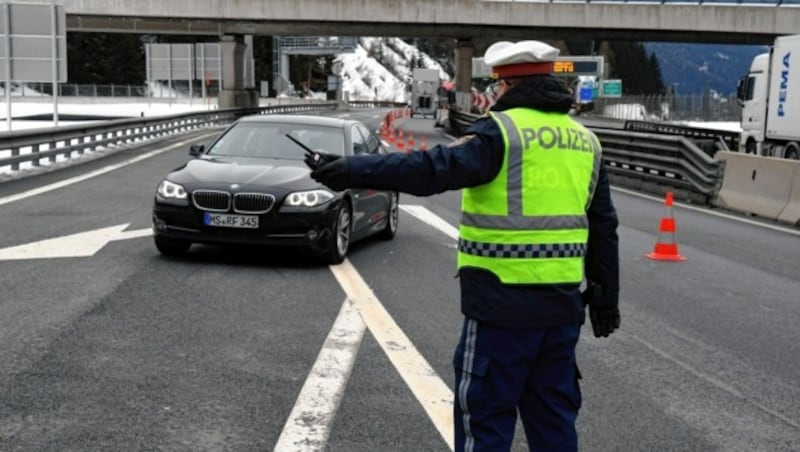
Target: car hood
[(216, 172)]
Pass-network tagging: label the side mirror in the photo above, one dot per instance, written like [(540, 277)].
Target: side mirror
[(196, 149)]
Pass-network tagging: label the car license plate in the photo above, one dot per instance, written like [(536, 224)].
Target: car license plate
[(230, 221)]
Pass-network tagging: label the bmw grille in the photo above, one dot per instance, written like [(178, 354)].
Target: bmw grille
[(212, 200), (220, 201), (252, 202)]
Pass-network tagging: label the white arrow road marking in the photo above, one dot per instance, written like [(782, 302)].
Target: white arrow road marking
[(82, 244), (125, 235), (308, 425)]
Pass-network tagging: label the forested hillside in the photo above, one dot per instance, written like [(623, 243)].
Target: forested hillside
[(694, 68)]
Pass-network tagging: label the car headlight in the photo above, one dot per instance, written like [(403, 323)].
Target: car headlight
[(311, 198), (171, 190)]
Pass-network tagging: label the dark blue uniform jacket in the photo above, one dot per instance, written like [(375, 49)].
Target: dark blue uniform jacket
[(475, 161)]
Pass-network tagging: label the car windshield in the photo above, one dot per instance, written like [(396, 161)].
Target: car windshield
[(268, 140)]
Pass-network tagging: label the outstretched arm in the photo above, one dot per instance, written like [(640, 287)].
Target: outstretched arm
[(472, 160)]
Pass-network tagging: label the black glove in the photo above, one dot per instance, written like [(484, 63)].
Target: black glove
[(604, 319), (316, 159), (335, 173)]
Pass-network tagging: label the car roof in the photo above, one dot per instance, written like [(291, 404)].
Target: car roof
[(313, 120)]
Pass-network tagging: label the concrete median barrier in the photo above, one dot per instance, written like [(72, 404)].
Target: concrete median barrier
[(791, 213), (762, 186)]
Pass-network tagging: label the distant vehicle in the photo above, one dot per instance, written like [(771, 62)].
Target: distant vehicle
[(770, 98), (424, 92), (251, 186)]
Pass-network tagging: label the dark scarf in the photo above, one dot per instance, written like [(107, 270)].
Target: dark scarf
[(540, 92)]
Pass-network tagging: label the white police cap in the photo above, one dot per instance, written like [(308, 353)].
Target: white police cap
[(518, 59)]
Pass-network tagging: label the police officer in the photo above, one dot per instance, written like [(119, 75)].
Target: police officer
[(537, 223)]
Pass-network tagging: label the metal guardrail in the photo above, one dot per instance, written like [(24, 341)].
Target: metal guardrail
[(650, 162), (711, 140), (375, 104), (48, 144)]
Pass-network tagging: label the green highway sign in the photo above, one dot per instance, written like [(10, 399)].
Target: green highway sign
[(611, 88)]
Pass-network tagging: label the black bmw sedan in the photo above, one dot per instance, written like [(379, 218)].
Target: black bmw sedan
[(251, 186)]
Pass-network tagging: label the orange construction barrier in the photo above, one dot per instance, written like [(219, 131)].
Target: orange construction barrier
[(666, 248)]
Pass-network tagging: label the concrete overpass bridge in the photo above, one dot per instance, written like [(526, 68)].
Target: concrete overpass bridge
[(472, 22), (694, 21)]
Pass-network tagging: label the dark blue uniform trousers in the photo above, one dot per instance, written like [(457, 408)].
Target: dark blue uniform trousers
[(499, 372)]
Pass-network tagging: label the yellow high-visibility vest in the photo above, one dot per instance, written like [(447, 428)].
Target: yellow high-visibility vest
[(529, 224)]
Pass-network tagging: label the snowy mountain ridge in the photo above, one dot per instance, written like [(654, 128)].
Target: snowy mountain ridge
[(380, 68)]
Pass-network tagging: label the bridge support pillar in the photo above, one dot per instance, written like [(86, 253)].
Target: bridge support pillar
[(233, 93), (465, 50)]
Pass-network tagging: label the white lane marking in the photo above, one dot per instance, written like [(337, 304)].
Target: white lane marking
[(426, 216), (98, 172), (712, 212), (426, 385), (308, 425)]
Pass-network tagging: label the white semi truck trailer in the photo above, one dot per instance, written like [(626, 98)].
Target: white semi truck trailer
[(770, 99)]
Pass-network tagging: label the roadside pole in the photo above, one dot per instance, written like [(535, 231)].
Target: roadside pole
[(54, 42), (7, 44)]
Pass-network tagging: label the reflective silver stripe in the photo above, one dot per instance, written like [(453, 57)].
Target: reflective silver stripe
[(546, 250), (598, 160), (549, 223), (466, 377), (514, 166)]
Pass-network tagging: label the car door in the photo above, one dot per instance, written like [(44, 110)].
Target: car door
[(370, 205)]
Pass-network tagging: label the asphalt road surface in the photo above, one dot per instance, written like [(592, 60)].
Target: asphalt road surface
[(107, 345)]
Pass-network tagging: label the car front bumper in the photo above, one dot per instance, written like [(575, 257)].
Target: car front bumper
[(283, 227)]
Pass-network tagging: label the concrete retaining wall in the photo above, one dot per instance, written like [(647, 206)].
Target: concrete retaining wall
[(763, 186)]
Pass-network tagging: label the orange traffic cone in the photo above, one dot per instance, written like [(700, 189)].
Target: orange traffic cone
[(666, 248), (401, 141), (423, 146), (410, 142)]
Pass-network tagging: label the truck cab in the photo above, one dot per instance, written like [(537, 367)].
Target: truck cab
[(752, 94), (424, 92), (770, 99)]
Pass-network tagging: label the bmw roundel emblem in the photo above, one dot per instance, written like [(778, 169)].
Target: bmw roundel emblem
[(234, 186)]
